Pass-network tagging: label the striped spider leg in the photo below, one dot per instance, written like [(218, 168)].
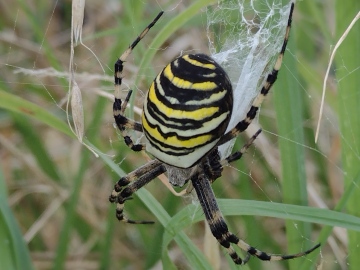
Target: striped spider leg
[(219, 228), (118, 107)]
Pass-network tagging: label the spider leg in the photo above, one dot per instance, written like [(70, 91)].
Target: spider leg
[(125, 180), (238, 154), (213, 166), (118, 108), (270, 80), (220, 229), (133, 182), (123, 122), (214, 217)]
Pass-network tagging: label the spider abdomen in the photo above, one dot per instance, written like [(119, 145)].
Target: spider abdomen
[(187, 109)]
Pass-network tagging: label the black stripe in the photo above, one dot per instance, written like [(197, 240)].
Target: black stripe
[(196, 74), (184, 95), (187, 123), (179, 137), (174, 151)]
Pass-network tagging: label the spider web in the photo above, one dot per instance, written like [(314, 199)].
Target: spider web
[(245, 37)]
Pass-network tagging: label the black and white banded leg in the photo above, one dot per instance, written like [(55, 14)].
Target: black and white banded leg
[(132, 182), (219, 228), (121, 120)]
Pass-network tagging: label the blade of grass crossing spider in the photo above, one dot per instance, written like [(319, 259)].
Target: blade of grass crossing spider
[(255, 231), (236, 207), (14, 252), (191, 214), (289, 116), (195, 258), (348, 79), (230, 207)]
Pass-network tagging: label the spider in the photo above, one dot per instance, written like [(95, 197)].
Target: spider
[(185, 115)]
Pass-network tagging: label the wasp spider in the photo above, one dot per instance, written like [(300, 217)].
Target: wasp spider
[(185, 115)]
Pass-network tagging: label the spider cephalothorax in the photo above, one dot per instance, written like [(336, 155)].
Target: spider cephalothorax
[(185, 116)]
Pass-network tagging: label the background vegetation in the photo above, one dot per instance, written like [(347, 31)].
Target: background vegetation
[(54, 208)]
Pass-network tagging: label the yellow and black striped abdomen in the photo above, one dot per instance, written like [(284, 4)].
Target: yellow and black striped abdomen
[(186, 110)]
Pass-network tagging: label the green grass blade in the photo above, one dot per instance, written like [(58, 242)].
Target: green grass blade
[(65, 235), (326, 231), (63, 245), (347, 60), (16, 104), (231, 207), (289, 113), (14, 252), (237, 207), (195, 257), (35, 143)]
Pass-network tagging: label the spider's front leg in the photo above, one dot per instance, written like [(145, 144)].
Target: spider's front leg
[(118, 107), (270, 80), (124, 123), (132, 182)]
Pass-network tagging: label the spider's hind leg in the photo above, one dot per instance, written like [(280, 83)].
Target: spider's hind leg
[(220, 229)]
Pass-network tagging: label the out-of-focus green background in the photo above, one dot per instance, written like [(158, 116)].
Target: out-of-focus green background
[(54, 207)]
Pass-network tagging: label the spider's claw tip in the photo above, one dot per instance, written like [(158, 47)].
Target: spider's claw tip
[(117, 187), (139, 221), (149, 222)]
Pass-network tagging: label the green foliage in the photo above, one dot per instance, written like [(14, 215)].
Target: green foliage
[(54, 192)]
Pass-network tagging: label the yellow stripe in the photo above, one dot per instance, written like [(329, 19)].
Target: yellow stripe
[(208, 126), (173, 140), (197, 63), (179, 114), (178, 82), (213, 98)]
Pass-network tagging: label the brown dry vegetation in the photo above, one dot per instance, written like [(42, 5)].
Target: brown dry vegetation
[(58, 190)]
